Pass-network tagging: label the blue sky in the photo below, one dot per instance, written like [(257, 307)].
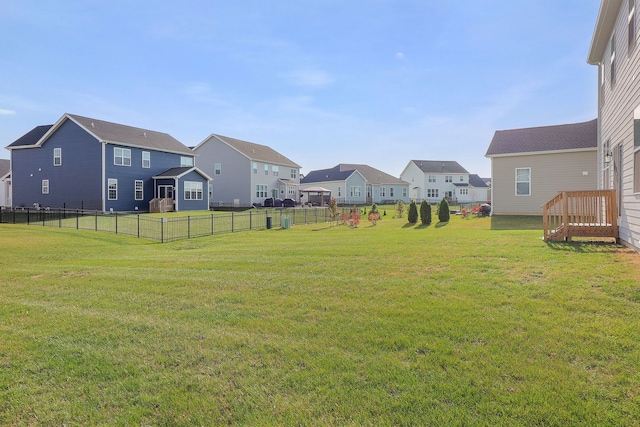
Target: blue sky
[(323, 82)]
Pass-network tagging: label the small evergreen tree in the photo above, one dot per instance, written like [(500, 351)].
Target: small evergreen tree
[(412, 216), (374, 209), (443, 211), (333, 209), (400, 208), (425, 213)]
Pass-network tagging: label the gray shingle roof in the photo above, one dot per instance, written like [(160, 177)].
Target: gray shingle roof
[(476, 181), (323, 175), (546, 138), (258, 152), (131, 136), (5, 167), (439, 166), (371, 174), (31, 137)]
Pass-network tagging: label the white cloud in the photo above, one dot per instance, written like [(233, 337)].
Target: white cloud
[(400, 55), (7, 112)]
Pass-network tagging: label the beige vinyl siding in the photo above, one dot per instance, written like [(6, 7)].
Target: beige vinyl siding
[(616, 122), (550, 173)]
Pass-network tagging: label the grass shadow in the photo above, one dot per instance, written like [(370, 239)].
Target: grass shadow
[(423, 226), (585, 246), (409, 225), (442, 224)]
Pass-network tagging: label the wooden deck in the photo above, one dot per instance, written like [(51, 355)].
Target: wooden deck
[(161, 205), (580, 214)]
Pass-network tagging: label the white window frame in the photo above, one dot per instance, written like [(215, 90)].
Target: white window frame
[(138, 189), (520, 181), (339, 191), (431, 178), (266, 169), (255, 168), (356, 191), (433, 193), (193, 190), (217, 169), (146, 159), (57, 156), (391, 192), (404, 192), (261, 190), (186, 161), (275, 170), (112, 189), (448, 178), (121, 156), (45, 186), (294, 173), (383, 191)]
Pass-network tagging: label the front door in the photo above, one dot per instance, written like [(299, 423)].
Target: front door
[(165, 191)]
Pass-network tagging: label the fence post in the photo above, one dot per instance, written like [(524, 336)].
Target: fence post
[(188, 226), (116, 222), (232, 221), (161, 230), (138, 226), (212, 224), (250, 221), (95, 218), (77, 220), (59, 219)]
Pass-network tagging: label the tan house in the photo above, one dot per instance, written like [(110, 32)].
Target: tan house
[(614, 50), (530, 166)]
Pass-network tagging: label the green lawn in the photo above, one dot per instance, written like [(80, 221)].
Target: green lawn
[(462, 323)]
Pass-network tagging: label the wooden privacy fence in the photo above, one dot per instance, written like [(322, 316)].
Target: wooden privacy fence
[(580, 214)]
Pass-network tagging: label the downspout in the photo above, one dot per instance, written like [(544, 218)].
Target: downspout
[(176, 193), (104, 176)]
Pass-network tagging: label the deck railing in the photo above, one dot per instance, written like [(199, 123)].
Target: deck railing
[(161, 205), (580, 214)]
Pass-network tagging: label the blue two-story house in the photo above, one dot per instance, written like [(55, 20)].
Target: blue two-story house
[(84, 163)]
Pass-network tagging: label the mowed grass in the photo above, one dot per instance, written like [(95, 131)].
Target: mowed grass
[(450, 324)]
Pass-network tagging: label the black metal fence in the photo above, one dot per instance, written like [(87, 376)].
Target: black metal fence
[(164, 229)]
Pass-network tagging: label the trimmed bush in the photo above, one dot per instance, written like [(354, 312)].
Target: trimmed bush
[(412, 216), (400, 208), (425, 213), (443, 211)]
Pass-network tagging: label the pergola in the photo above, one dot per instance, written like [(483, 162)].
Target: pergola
[(317, 191)]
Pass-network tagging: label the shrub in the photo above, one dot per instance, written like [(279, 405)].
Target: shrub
[(412, 216), (400, 208), (374, 209), (443, 211), (333, 209), (425, 213)]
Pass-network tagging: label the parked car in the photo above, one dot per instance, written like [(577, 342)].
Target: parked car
[(289, 203), (272, 203)]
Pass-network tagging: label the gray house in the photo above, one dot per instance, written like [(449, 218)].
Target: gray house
[(614, 50), (432, 180), (529, 166), (244, 173), (358, 184), (85, 163)]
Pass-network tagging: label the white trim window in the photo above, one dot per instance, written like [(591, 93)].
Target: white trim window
[(266, 169), (448, 178), (192, 190), (464, 191), (404, 192), (339, 191), (255, 168), (631, 23), (112, 189), (57, 157), (391, 192), (261, 190), (432, 178), (294, 173), (45, 186), (383, 191), (275, 170), (186, 162), (217, 169), (356, 191), (612, 64), (146, 159), (121, 156), (432, 193), (139, 189), (523, 181)]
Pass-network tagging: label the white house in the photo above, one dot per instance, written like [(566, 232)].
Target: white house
[(358, 184), (245, 173), (5, 182), (432, 180), (615, 51)]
